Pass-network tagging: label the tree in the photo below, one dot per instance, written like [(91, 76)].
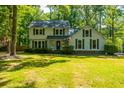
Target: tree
[(13, 32)]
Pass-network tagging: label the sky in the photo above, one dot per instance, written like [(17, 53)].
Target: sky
[(44, 8)]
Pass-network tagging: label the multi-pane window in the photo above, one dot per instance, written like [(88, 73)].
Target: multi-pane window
[(79, 44), (58, 32), (38, 31), (94, 44), (87, 33), (35, 44), (39, 44)]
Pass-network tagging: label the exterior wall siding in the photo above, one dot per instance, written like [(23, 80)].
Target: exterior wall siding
[(95, 36)]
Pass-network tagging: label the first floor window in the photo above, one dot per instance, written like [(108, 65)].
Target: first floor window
[(39, 44), (35, 44), (43, 44), (79, 44), (94, 44)]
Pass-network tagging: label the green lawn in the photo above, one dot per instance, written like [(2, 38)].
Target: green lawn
[(36, 70)]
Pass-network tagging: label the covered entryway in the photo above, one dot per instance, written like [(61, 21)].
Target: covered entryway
[(58, 45)]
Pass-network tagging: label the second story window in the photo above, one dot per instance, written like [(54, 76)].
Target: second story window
[(57, 32), (87, 33), (40, 31), (36, 32), (60, 32)]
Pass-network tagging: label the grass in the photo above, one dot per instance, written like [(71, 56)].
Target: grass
[(45, 70)]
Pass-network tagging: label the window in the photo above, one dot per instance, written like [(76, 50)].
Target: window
[(34, 31), (90, 33), (60, 32), (79, 44), (94, 44), (87, 33), (35, 44), (83, 43), (97, 43), (63, 31), (39, 44), (43, 45), (75, 43), (90, 43), (83, 32), (57, 32), (40, 31)]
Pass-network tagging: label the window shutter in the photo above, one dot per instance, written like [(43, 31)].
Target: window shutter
[(97, 43), (82, 43), (63, 32), (90, 43), (75, 43), (53, 31)]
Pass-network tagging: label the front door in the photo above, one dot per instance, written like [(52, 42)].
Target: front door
[(58, 44)]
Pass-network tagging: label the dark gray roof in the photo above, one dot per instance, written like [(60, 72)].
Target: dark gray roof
[(51, 24), (57, 37)]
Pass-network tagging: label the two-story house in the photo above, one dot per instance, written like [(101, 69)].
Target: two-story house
[(53, 34)]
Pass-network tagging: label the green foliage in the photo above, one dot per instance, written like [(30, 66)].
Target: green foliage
[(38, 50), (3, 48), (67, 50), (110, 49), (119, 43)]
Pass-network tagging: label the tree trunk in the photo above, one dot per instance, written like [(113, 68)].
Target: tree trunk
[(13, 32)]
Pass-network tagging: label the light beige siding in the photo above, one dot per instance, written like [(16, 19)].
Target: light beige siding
[(95, 35)]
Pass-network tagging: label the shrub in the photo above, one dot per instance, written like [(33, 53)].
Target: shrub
[(20, 48), (110, 49), (38, 50), (3, 48), (67, 50)]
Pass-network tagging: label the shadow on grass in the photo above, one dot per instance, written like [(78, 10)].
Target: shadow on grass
[(26, 63), (4, 81)]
